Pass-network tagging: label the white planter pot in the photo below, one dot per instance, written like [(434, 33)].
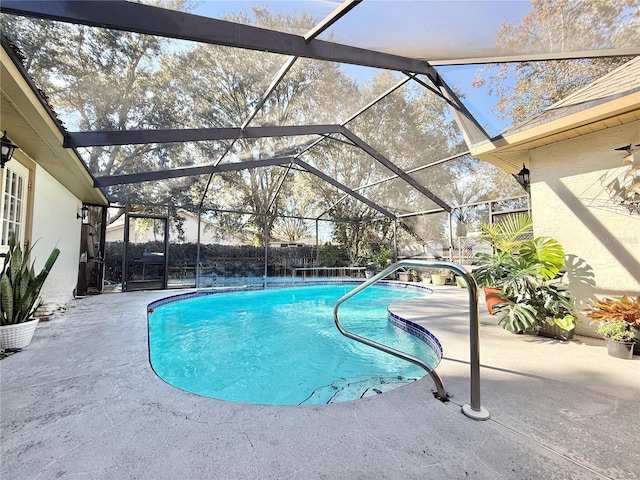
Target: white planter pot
[(404, 277), (18, 335)]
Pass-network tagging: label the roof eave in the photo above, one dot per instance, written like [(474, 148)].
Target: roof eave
[(36, 130), (510, 151)]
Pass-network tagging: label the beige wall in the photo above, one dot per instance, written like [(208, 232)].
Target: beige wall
[(115, 233), (55, 225), (568, 203)]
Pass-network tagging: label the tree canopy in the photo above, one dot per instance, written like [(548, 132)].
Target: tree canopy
[(101, 79), (526, 88)]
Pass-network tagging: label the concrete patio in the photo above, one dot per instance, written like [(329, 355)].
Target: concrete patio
[(83, 402)]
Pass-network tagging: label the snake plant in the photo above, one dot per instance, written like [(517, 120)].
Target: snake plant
[(19, 285)]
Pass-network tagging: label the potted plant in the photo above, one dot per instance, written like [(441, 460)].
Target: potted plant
[(376, 262), (531, 296), (619, 322), (461, 282), (505, 238), (415, 275), (546, 308), (619, 339), (489, 272), (404, 275), (439, 276), (19, 294)]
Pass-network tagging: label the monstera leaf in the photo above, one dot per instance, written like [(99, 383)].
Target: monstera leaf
[(516, 316), (545, 251)]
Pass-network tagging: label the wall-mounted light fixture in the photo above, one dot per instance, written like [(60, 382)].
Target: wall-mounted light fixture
[(631, 152), (85, 214), (524, 177), (7, 147)]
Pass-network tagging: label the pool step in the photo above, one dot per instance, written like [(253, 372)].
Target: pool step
[(346, 389)]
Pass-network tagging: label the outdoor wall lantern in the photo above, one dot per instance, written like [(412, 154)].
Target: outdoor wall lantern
[(85, 214), (7, 149), (523, 177)]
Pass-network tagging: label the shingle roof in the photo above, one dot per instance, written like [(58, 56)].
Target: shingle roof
[(622, 81)]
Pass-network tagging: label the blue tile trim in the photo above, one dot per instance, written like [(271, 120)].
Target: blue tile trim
[(418, 331), (217, 291), (196, 294)]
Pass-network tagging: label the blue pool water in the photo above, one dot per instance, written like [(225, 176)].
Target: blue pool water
[(281, 347)]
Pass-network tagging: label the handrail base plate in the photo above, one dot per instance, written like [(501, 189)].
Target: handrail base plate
[(482, 414)]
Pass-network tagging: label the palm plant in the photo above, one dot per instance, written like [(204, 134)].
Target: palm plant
[(507, 235), (506, 239), (19, 285)]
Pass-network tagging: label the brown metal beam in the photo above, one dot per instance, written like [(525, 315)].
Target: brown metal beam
[(394, 168), (110, 180), (339, 12), (149, 20), (130, 137)]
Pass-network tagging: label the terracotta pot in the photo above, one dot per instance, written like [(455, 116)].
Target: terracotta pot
[(492, 298)]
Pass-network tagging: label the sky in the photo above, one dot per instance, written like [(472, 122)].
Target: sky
[(414, 26)]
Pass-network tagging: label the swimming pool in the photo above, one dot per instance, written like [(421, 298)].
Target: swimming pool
[(281, 346)]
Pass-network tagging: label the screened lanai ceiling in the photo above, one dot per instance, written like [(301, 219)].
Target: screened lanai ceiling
[(222, 104)]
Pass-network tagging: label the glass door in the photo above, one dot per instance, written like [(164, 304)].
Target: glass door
[(145, 259)]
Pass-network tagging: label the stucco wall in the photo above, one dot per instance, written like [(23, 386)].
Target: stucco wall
[(602, 242), (55, 224)]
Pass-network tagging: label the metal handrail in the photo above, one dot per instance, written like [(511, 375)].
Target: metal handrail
[(472, 410)]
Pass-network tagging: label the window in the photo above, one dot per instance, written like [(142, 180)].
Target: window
[(13, 203)]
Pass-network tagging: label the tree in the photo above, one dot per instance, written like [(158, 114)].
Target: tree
[(476, 181), (410, 128), (526, 88), (99, 79), (224, 85)]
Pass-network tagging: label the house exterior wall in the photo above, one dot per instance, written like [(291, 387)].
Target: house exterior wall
[(55, 225), (115, 233), (602, 242)]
